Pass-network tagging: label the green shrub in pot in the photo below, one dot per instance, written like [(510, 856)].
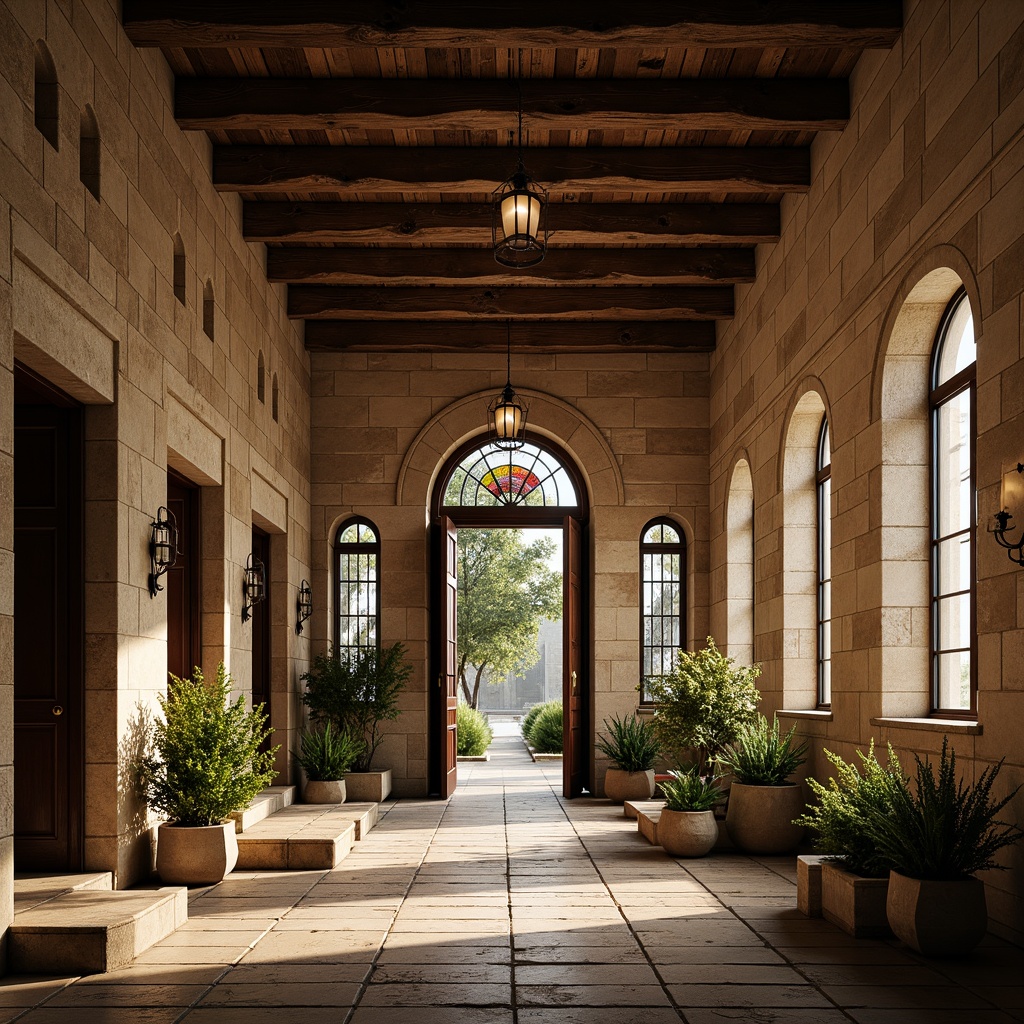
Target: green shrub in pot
[(687, 826), (326, 753), (632, 747)]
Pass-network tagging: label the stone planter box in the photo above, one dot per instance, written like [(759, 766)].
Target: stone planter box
[(760, 818), (196, 855), (940, 919), (368, 787), (854, 903)]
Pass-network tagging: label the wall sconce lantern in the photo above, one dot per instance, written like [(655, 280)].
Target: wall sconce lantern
[(163, 547), (506, 413), (304, 604), (1012, 493), (254, 585)]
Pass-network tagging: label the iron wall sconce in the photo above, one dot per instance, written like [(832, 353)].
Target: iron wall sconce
[(304, 604), (254, 586), (1002, 519), (163, 547)]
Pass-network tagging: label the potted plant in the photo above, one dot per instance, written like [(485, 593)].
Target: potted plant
[(206, 763), (701, 704), (938, 836), (326, 754), (762, 800), (357, 692), (632, 748), (854, 875), (687, 826)]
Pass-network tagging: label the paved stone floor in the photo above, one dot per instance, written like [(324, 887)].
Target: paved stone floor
[(506, 906)]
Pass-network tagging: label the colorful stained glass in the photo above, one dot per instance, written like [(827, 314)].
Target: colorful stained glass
[(489, 476), (510, 480)]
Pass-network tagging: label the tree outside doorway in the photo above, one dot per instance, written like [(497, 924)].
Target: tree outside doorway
[(508, 584)]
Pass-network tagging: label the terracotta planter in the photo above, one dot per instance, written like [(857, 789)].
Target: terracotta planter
[(941, 919), (760, 818), (200, 855), (324, 791), (687, 833), (854, 903), (620, 785), (368, 787)]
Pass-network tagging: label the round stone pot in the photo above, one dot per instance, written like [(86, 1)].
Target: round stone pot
[(319, 792), (687, 833), (195, 855), (760, 818), (620, 785), (940, 919)]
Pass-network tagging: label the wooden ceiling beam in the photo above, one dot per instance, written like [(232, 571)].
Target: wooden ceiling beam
[(329, 302), (470, 223), (512, 23), (563, 267), (467, 170), (530, 336), (316, 104)]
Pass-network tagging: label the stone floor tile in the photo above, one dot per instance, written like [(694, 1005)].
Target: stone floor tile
[(737, 1015), (585, 974), (930, 1015), (113, 994), (568, 994), (573, 954), (443, 974), (667, 954), (265, 1015), (29, 989), (759, 996), (598, 1015), (102, 1015), (296, 993), (913, 997), (428, 1015), (730, 974), (415, 994)]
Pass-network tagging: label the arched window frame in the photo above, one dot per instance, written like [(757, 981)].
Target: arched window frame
[(365, 554), (660, 654), (941, 397), (823, 484)]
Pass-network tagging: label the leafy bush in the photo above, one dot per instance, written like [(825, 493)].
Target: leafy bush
[(759, 757), (702, 703), (357, 692), (630, 744), (473, 731), (207, 762), (943, 829), (546, 735), (327, 753), (691, 791), (530, 717), (839, 819)]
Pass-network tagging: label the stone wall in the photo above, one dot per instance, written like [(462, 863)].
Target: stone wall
[(922, 193)]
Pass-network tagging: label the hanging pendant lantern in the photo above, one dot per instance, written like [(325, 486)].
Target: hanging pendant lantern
[(506, 413)]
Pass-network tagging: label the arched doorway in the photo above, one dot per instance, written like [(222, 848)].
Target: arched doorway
[(482, 485)]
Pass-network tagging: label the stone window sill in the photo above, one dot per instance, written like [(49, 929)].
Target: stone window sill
[(949, 725), (812, 714)]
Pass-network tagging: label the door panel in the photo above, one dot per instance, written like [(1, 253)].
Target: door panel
[(182, 581), (576, 752), (444, 693), (261, 633), (48, 638)]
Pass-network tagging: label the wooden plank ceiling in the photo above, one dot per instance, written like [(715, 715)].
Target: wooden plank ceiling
[(365, 138)]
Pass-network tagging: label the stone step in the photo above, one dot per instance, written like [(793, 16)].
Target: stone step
[(32, 889), (91, 931), (305, 837), (648, 813), (269, 801), (632, 808)]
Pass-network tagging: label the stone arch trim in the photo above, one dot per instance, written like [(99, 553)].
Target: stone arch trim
[(806, 386), (550, 417), (738, 454), (941, 258)]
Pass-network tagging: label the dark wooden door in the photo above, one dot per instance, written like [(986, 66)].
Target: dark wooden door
[(182, 580), (261, 631), (48, 639), (576, 752), (444, 692)]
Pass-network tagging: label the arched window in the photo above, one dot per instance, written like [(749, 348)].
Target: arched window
[(739, 566), (261, 378), (662, 598), (178, 270), (209, 309), (357, 593), (89, 152), (824, 481), (954, 656), (47, 96), (274, 398)]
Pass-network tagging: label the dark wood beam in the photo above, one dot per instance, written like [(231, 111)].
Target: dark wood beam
[(561, 267), (324, 302), (530, 335), (395, 224), (467, 170), (314, 104), (513, 23)]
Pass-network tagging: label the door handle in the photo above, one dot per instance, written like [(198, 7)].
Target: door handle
[(440, 680), (573, 677), (58, 710)]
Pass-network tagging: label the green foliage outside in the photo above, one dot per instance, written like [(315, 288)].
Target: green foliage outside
[(630, 744), (327, 753), (839, 818), (357, 693), (473, 731), (529, 718), (691, 791), (206, 761), (942, 829), (702, 703), (760, 757), (545, 735), (505, 588)]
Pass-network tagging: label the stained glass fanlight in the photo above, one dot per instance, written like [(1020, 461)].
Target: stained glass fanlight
[(528, 477)]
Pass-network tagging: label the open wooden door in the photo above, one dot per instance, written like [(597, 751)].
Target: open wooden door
[(576, 753), (444, 691), (182, 582)]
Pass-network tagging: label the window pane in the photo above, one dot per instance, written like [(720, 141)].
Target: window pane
[(661, 598), (958, 349), (953, 464), (954, 565), (954, 622), (955, 681)]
